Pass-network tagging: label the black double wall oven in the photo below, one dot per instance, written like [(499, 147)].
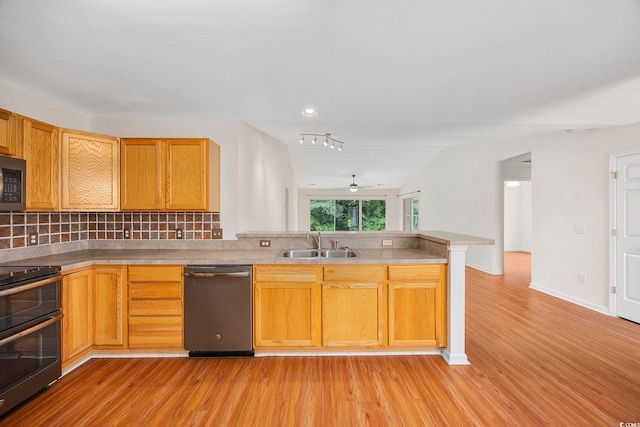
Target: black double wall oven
[(30, 332)]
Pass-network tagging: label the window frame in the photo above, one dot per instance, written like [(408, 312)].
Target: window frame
[(360, 217)]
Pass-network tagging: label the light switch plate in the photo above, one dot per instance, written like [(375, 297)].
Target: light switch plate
[(216, 233), (387, 242), (265, 243), (178, 233)]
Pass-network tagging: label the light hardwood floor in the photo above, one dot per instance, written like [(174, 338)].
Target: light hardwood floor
[(535, 360)]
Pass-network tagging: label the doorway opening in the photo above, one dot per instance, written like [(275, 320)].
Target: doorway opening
[(517, 214)]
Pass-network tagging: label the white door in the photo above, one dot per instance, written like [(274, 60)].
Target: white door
[(628, 237)]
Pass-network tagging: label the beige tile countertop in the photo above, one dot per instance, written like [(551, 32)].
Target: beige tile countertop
[(83, 258)]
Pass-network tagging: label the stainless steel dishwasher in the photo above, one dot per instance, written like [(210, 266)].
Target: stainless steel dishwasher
[(218, 312)]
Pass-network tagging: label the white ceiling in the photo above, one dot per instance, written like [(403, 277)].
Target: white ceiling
[(396, 81)]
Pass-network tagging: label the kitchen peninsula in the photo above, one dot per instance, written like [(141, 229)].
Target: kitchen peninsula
[(397, 255)]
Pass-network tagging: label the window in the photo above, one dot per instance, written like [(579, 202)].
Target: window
[(411, 208), (347, 215)]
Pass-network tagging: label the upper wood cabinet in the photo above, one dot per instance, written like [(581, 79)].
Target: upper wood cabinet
[(8, 133), (175, 174), (141, 173), (41, 148), (90, 172)]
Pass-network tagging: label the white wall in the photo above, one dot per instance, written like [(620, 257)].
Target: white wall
[(40, 108), (263, 183), (570, 186), (393, 214), (517, 217)]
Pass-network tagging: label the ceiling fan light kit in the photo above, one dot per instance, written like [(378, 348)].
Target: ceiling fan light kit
[(353, 187), (329, 142)]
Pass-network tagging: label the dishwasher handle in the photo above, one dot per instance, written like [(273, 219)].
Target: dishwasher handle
[(235, 274)]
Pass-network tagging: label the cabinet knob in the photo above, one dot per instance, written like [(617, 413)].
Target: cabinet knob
[(218, 336)]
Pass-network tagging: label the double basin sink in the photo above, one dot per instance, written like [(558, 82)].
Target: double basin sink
[(317, 253)]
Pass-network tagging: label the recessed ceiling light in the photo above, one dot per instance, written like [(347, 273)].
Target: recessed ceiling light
[(309, 112)]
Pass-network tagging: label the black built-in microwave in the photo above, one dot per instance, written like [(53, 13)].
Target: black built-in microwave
[(12, 184)]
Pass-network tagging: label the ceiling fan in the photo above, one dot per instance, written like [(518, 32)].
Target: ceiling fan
[(353, 187)]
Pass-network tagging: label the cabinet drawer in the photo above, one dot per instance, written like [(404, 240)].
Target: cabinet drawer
[(155, 332), (418, 273), (155, 307), (361, 273), (289, 273), (155, 290), (155, 273)]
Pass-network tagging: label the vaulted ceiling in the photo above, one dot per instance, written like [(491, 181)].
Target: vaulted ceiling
[(396, 81)]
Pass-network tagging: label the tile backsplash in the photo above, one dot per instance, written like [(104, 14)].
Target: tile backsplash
[(60, 227)]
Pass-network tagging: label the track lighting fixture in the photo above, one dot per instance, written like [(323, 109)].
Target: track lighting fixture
[(328, 140)]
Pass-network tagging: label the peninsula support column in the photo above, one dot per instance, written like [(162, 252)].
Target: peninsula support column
[(454, 353)]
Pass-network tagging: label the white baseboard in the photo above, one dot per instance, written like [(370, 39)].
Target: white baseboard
[(484, 270), (570, 298)]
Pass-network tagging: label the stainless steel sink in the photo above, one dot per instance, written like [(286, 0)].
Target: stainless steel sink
[(314, 253), (337, 253), (299, 253)]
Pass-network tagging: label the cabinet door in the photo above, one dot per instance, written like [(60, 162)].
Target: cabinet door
[(187, 174), (77, 307), (353, 306), (142, 176), (287, 314), (287, 305), (417, 305), (352, 314), (41, 151), (8, 133), (109, 298), (90, 172)]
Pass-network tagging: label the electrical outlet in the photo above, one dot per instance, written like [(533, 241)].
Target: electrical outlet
[(387, 242), (265, 243), (580, 229), (178, 233), (126, 233), (216, 233), (33, 239), (582, 278)]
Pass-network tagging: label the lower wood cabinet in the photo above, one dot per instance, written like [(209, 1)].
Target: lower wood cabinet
[(77, 307), (417, 305), (287, 305), (350, 306), (353, 309), (155, 307), (110, 306)]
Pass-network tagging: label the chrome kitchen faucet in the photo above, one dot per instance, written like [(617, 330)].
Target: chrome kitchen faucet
[(317, 239)]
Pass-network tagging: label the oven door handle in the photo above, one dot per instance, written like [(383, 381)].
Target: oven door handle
[(31, 330), (28, 286)]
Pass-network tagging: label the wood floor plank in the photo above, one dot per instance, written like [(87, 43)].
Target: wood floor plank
[(535, 360)]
